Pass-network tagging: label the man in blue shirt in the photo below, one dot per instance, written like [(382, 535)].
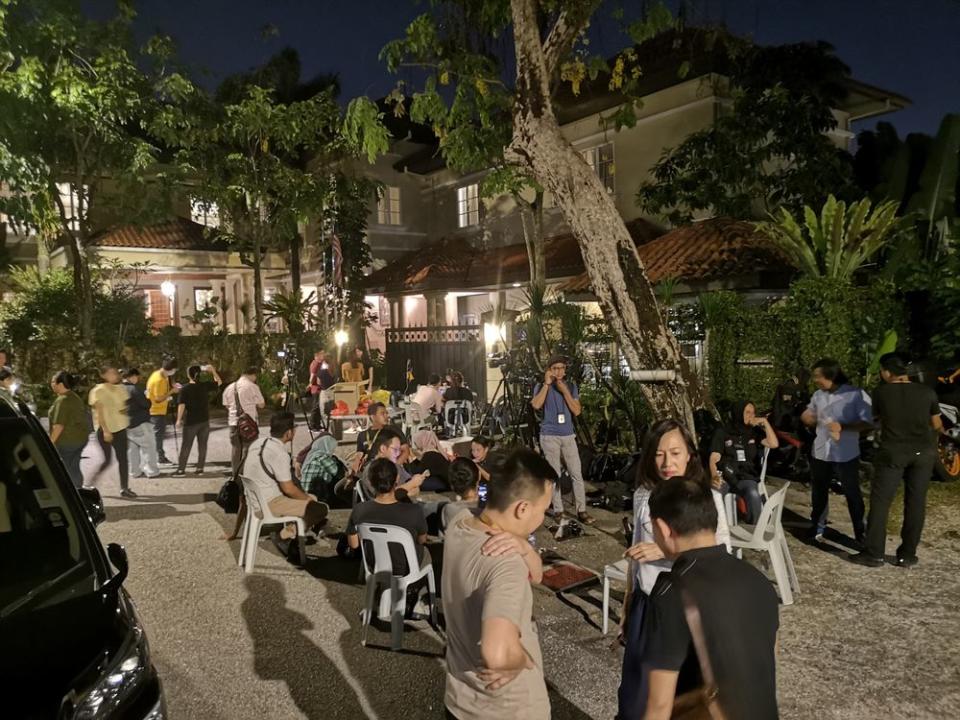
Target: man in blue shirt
[(840, 412), (560, 401)]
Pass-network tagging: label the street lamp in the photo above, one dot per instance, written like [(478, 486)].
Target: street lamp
[(340, 337), (169, 290)]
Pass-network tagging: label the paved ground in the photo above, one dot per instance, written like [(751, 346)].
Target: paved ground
[(285, 643)]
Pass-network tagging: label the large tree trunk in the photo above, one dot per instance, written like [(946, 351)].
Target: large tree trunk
[(82, 285), (295, 264), (610, 256), (531, 215)]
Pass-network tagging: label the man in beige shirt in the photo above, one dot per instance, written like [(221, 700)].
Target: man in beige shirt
[(494, 665)]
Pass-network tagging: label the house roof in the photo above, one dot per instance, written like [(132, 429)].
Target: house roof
[(176, 234), (454, 264), (715, 249)]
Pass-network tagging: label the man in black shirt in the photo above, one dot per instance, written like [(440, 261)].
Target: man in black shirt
[(909, 417), (737, 606)]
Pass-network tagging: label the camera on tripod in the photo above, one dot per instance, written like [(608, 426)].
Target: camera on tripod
[(287, 354)]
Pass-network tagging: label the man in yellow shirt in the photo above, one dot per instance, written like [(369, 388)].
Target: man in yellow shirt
[(159, 392)]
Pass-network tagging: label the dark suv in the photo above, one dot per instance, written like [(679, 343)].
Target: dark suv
[(71, 643)]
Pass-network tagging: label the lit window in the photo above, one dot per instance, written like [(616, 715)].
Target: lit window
[(203, 298), (600, 160), (388, 206), (468, 206), (70, 200), (205, 213)]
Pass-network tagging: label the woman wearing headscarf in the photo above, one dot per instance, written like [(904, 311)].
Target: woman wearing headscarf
[(321, 469), (734, 454), (430, 457)]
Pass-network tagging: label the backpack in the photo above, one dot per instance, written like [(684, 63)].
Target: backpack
[(247, 427)]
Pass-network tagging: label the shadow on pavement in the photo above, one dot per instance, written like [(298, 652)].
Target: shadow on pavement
[(145, 511), (283, 652), (563, 709)]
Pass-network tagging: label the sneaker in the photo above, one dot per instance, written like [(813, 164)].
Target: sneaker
[(166, 461), (866, 560), (128, 493), (178, 473), (817, 534), (906, 561)]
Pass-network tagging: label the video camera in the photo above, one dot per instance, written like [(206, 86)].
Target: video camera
[(287, 354)]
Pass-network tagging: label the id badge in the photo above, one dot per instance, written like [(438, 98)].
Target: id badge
[(561, 419), (741, 455)]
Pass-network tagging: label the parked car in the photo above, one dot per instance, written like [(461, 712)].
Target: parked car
[(71, 643)]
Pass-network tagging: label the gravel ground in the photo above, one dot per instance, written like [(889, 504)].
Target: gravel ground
[(858, 643)]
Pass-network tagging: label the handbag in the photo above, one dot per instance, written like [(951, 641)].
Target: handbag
[(247, 428), (229, 496), (702, 703)]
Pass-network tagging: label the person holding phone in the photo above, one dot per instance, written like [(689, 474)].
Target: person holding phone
[(560, 401), (193, 415)]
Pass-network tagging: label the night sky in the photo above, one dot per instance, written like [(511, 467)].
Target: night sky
[(908, 47)]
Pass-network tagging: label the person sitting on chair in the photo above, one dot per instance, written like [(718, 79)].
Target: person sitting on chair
[(428, 396), (457, 391), (321, 469), (465, 481), (430, 458), (734, 452), (379, 419), (268, 467), (386, 509)]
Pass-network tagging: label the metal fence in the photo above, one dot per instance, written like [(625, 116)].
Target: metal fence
[(436, 350)]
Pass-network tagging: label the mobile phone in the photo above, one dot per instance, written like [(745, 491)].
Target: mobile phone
[(482, 495), (425, 474)]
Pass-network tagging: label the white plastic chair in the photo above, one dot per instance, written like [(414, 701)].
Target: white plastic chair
[(761, 484), (458, 417), (258, 517), (768, 536), (414, 418), (617, 571), (730, 499), (378, 539)]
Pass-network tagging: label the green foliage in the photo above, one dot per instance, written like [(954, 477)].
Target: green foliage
[(770, 150), (294, 310), (838, 242)]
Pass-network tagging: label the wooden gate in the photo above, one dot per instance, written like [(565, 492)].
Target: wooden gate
[(437, 350)]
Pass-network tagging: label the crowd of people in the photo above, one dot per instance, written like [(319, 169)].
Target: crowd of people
[(699, 626)]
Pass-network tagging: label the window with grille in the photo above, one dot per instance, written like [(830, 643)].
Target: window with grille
[(70, 199), (600, 160), (468, 205), (204, 213), (388, 206)]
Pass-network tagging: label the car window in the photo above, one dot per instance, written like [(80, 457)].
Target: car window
[(42, 549)]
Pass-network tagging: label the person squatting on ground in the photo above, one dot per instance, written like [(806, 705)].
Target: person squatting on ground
[(141, 441), (69, 429), (494, 663), (560, 401), (840, 412), (734, 453), (736, 604), (909, 418), (269, 466), (193, 415), (242, 396), (669, 451), (159, 391), (109, 403)]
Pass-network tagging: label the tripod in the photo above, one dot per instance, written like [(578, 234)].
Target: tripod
[(512, 416), (293, 388)]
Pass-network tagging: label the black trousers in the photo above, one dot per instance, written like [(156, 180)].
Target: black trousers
[(200, 431), (159, 423), (118, 446), (821, 472), (914, 470)]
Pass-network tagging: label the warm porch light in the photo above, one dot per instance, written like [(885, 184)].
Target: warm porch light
[(340, 337), (493, 333), (168, 289)]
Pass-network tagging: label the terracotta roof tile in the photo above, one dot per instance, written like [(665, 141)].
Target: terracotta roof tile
[(176, 234), (454, 264), (720, 248)]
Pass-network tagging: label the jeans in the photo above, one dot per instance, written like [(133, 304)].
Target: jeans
[(200, 431), (914, 469), (142, 449), (821, 472), (239, 451), (160, 431), (554, 448), (748, 488), (71, 456), (119, 447)]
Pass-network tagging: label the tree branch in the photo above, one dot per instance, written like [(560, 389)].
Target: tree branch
[(570, 23)]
